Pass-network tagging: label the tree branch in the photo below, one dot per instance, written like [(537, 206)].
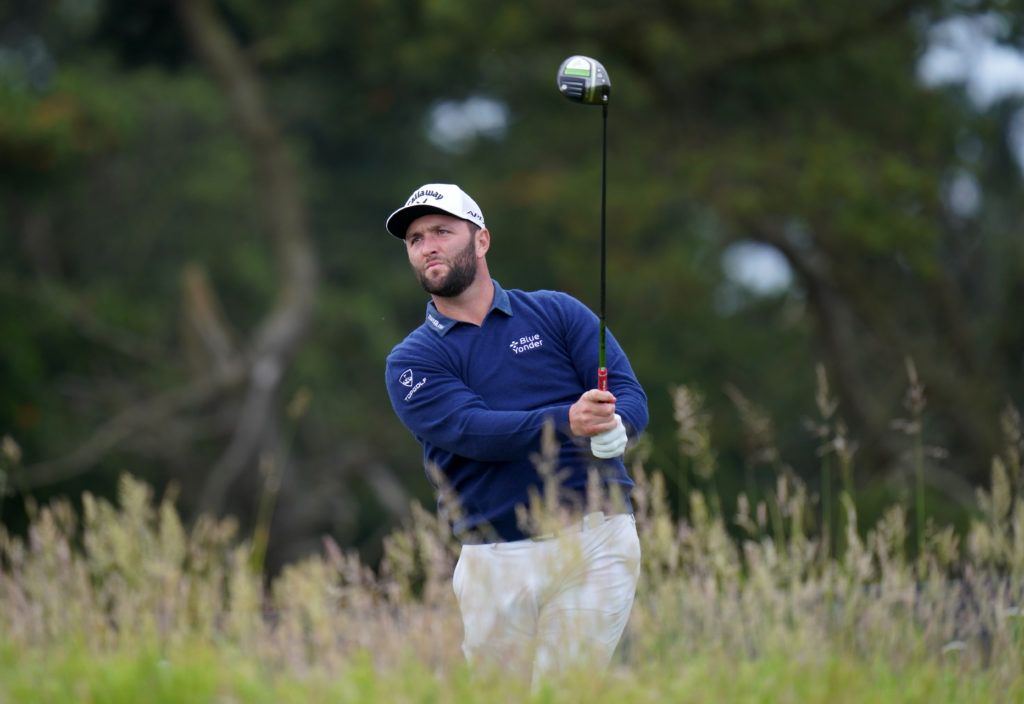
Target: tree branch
[(140, 417), (278, 337), (833, 294), (808, 43), (830, 310)]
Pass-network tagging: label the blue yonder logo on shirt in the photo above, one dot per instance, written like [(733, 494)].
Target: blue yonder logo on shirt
[(526, 343)]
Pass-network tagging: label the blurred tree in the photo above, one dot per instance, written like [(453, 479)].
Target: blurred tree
[(173, 174)]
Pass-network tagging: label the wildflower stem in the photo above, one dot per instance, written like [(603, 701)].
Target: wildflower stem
[(264, 515), (826, 507), (846, 475), (919, 499), (775, 511)]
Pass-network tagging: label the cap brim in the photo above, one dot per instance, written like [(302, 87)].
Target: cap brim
[(399, 221)]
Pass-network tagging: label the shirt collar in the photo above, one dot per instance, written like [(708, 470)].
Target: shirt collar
[(441, 324)]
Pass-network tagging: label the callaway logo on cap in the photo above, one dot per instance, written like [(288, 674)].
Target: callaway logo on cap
[(434, 198)]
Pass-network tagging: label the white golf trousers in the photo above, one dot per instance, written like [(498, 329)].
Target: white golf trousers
[(540, 606)]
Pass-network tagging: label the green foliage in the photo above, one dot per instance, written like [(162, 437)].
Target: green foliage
[(801, 125), (202, 675)]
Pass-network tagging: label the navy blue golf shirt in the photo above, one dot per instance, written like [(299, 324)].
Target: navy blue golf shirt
[(478, 398)]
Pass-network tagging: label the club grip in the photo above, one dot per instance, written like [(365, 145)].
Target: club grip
[(602, 378)]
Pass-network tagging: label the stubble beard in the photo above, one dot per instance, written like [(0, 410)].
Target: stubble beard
[(461, 273)]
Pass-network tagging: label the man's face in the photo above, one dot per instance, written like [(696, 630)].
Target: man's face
[(442, 252)]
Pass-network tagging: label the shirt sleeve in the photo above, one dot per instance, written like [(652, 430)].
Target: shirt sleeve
[(439, 408), (583, 329)]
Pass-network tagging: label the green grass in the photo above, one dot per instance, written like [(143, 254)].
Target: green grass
[(195, 675)]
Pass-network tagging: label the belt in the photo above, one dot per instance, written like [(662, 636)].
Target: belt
[(590, 521)]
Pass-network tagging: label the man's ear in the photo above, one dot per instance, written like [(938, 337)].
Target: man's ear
[(483, 241)]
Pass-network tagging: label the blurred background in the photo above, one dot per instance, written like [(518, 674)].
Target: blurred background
[(816, 238)]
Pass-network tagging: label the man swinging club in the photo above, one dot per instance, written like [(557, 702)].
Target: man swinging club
[(477, 383)]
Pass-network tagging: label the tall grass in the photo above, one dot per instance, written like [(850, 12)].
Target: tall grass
[(123, 602)]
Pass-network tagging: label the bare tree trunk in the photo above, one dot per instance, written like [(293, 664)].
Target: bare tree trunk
[(277, 338), (258, 365), (832, 317), (969, 407)]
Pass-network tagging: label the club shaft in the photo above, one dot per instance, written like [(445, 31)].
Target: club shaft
[(602, 374)]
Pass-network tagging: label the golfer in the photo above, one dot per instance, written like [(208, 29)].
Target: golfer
[(477, 383)]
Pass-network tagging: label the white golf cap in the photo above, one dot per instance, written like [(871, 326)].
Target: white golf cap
[(434, 198)]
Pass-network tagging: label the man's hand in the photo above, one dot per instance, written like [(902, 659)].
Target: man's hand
[(594, 413), (611, 443)]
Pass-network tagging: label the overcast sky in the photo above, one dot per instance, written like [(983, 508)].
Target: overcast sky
[(973, 52)]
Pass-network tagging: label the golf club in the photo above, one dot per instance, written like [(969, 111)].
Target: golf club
[(584, 80)]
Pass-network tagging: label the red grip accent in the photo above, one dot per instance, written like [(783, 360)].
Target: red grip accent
[(602, 378)]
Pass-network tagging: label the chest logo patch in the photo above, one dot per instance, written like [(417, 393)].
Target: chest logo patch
[(526, 343)]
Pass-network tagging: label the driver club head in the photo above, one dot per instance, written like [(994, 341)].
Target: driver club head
[(582, 79)]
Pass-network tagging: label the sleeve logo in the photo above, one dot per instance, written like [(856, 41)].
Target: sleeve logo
[(413, 390), (406, 378)]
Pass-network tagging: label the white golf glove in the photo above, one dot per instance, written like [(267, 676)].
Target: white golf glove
[(610, 443)]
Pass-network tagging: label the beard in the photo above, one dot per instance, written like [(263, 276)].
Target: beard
[(461, 272)]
